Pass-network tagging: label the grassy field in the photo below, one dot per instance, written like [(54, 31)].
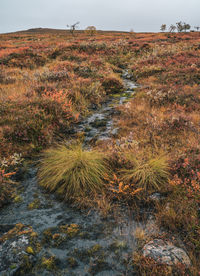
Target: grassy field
[(49, 81)]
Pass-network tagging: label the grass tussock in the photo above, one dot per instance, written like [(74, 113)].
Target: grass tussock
[(151, 175), (72, 172)]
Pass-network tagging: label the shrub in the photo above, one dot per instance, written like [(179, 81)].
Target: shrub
[(24, 59), (52, 76), (6, 79), (7, 186), (147, 71), (93, 47), (151, 175), (30, 125), (147, 266), (71, 171), (112, 84), (179, 213), (90, 30)]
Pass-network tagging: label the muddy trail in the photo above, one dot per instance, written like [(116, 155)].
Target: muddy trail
[(86, 243)]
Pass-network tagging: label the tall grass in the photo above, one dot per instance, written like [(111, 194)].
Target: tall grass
[(151, 175), (72, 172)]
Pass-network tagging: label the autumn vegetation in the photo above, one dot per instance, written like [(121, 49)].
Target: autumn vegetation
[(73, 172), (48, 83)]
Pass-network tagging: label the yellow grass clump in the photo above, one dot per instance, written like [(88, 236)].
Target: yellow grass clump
[(151, 175), (72, 172)]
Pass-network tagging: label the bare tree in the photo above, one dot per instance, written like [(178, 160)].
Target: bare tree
[(73, 27), (180, 26), (186, 26), (172, 28), (163, 27)]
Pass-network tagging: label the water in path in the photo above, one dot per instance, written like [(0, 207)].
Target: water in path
[(100, 246), (99, 125)]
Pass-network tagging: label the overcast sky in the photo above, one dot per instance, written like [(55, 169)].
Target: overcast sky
[(141, 15)]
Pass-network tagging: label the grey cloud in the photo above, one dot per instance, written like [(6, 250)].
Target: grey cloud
[(141, 15)]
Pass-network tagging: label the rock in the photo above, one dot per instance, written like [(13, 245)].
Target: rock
[(165, 252), (114, 131), (99, 123), (155, 197), (14, 255), (126, 75)]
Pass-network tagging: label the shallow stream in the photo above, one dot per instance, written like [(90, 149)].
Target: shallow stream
[(98, 246), (99, 125)]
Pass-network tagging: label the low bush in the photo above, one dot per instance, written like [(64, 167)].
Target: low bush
[(180, 214), (6, 188), (24, 59), (147, 266), (31, 124), (6, 79), (8, 168), (112, 84), (51, 76), (93, 47)]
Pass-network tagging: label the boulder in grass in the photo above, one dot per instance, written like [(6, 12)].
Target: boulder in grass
[(164, 252)]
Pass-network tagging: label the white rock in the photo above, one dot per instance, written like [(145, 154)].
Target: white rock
[(166, 253)]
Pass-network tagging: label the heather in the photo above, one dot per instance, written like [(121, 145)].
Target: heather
[(51, 82)]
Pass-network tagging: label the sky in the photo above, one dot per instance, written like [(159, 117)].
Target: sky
[(122, 15)]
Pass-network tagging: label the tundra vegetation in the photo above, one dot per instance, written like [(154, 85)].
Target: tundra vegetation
[(48, 82)]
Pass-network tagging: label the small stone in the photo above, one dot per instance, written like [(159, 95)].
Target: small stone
[(155, 197)]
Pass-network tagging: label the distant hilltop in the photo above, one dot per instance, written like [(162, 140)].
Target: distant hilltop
[(43, 30), (49, 30)]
